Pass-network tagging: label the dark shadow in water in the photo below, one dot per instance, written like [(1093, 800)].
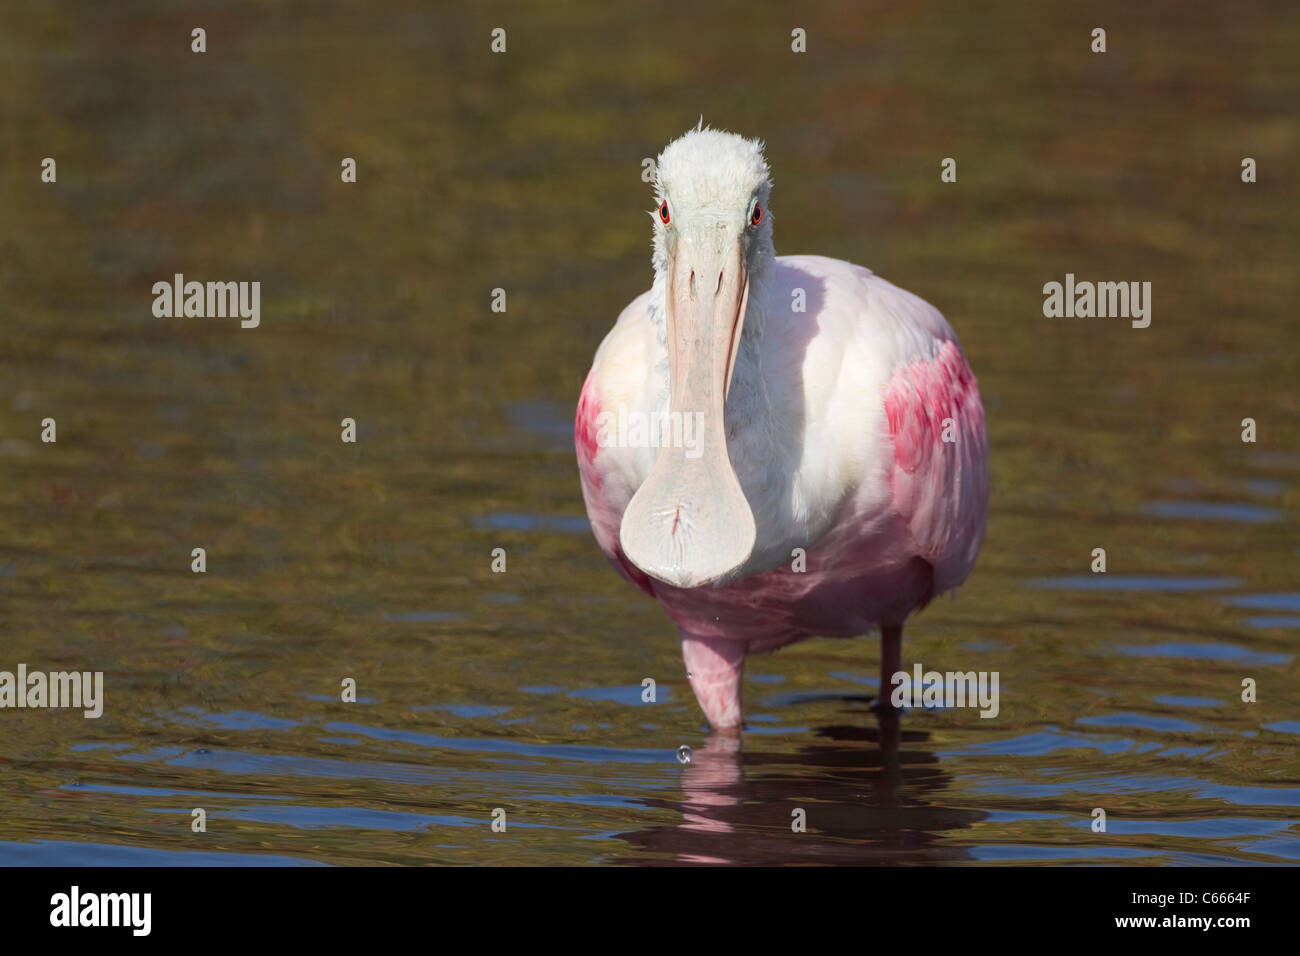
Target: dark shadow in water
[(862, 793)]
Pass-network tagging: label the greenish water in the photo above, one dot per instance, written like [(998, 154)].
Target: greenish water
[(521, 690)]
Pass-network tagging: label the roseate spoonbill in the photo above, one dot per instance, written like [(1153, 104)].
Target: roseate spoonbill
[(836, 479)]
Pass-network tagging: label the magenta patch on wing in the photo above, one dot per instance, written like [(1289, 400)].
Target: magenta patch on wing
[(921, 395), (586, 432)]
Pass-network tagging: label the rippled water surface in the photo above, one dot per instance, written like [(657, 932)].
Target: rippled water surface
[(523, 690)]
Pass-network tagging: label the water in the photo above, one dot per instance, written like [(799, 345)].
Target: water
[(522, 690)]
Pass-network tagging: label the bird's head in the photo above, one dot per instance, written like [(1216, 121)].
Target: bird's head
[(689, 523), (711, 192)]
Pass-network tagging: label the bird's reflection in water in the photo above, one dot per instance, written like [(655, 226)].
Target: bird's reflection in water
[(863, 793)]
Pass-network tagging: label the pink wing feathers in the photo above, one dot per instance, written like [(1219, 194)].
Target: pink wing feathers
[(939, 481), (604, 513)]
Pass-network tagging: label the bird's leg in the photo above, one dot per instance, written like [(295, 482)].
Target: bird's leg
[(891, 662), (715, 667)]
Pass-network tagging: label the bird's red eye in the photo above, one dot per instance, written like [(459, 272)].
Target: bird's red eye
[(663, 211), (757, 216)]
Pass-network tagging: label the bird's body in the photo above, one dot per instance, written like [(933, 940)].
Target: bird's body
[(851, 421)]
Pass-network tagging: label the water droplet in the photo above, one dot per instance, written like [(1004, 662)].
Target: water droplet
[(683, 754)]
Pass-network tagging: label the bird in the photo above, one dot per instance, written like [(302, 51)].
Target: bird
[(775, 447)]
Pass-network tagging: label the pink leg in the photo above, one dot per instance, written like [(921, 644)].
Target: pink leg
[(715, 666)]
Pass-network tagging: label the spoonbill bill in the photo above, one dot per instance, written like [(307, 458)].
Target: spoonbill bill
[(775, 448)]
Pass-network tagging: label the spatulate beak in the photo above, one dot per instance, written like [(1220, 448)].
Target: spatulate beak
[(689, 523)]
